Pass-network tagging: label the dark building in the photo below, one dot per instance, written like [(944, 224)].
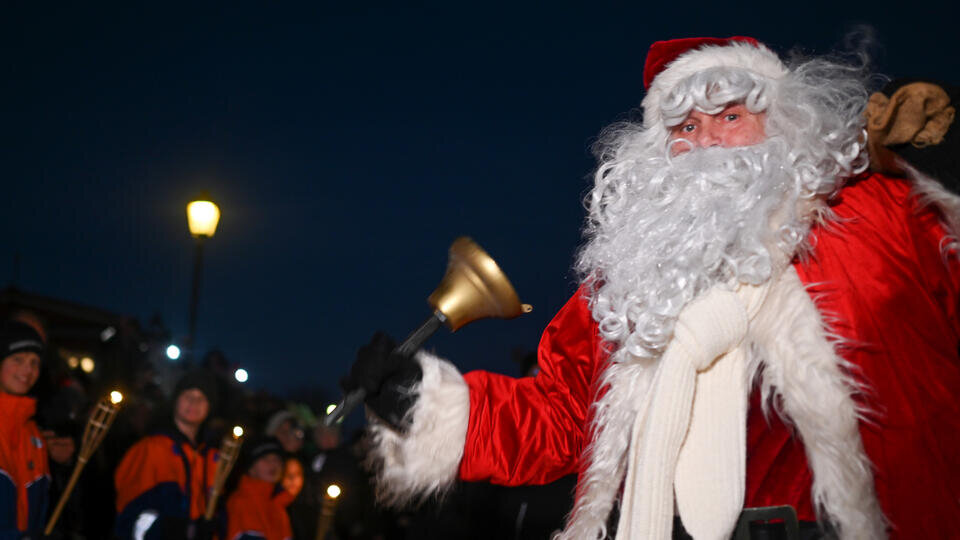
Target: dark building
[(102, 349)]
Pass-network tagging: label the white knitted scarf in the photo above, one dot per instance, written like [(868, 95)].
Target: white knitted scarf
[(688, 435)]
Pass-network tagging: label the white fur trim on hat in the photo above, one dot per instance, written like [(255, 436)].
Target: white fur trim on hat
[(425, 460), (758, 59)]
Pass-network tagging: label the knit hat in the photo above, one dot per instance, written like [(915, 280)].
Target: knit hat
[(63, 411), (17, 337), (262, 447), (670, 62), (202, 380), (277, 420)]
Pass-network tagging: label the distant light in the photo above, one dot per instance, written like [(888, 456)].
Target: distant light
[(87, 364), (116, 397), (331, 407), (73, 362), (241, 375), (237, 432), (333, 491), (108, 333), (173, 352)]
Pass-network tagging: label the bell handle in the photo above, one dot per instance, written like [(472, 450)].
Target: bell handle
[(418, 337), (409, 346)]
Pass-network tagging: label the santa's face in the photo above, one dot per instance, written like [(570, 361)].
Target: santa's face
[(734, 126), (718, 187)]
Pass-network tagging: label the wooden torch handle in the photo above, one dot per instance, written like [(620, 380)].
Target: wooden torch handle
[(65, 495)]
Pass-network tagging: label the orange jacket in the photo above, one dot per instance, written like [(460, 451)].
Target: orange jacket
[(24, 470), (255, 513), (163, 481)]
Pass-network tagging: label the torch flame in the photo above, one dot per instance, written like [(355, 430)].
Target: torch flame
[(333, 491), (116, 397), (237, 432)]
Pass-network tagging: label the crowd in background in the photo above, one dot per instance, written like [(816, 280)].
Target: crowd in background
[(154, 473)]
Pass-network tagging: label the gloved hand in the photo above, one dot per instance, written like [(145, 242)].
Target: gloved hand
[(387, 377)]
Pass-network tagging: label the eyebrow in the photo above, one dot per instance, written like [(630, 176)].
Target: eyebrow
[(731, 106)]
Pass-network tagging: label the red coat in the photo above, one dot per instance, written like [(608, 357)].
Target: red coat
[(254, 512), (879, 273), (24, 470)]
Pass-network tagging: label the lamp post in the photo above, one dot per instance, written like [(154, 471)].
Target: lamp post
[(202, 217)]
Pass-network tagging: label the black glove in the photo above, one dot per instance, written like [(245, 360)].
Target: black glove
[(387, 376)]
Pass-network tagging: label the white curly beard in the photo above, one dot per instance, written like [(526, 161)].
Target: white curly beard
[(666, 229)]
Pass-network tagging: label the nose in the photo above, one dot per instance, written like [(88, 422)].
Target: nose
[(708, 136)]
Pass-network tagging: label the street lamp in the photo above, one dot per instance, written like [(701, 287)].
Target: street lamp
[(202, 218)]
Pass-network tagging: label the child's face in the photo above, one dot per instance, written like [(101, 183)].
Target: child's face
[(19, 372), (293, 476), (268, 468)]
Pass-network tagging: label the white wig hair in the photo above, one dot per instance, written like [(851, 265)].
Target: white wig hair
[(644, 260)]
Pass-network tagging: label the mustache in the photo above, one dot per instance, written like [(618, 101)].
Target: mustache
[(718, 196)]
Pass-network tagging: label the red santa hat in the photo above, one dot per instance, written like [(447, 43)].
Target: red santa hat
[(670, 62)]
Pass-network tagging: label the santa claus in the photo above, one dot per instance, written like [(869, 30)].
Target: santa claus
[(760, 323)]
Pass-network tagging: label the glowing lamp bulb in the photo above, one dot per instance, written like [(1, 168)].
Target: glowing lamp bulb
[(87, 364), (237, 432), (116, 397), (333, 491), (173, 352), (202, 217), (331, 407), (241, 375)]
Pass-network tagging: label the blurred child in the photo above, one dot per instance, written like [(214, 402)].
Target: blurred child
[(256, 510), (24, 471), (163, 480)]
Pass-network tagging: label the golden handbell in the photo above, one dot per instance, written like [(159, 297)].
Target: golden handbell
[(473, 288)]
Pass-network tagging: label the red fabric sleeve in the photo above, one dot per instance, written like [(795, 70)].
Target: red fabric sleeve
[(531, 430)]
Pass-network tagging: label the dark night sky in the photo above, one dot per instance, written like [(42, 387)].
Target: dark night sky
[(347, 147)]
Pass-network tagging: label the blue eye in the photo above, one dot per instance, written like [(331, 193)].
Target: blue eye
[(732, 117), (688, 128)]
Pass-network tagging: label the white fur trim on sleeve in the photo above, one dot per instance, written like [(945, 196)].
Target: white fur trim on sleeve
[(423, 461)]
